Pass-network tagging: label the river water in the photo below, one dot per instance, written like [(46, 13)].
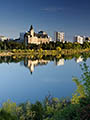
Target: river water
[(31, 80)]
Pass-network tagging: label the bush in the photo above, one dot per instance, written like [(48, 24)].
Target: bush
[(7, 116), (38, 109), (70, 112)]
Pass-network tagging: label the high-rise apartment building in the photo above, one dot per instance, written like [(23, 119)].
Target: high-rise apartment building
[(59, 36)]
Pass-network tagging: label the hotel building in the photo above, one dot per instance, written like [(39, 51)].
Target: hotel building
[(36, 38)]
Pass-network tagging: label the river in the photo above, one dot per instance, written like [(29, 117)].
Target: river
[(25, 79)]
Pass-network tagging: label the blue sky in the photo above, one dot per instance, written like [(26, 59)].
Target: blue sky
[(70, 16)]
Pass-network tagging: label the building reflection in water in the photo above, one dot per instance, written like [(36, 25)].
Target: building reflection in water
[(60, 62), (31, 64), (78, 60)]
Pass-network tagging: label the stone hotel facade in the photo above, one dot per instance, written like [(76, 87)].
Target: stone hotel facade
[(31, 37)]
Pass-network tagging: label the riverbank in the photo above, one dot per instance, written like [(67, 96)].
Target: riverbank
[(43, 52)]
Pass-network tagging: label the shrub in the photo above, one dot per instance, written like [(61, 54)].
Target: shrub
[(7, 116), (38, 109), (70, 112)]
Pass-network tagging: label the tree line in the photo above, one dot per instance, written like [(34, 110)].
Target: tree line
[(9, 45)]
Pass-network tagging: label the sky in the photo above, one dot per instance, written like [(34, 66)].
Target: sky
[(70, 16)]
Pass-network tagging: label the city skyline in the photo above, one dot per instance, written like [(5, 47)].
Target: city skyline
[(50, 16)]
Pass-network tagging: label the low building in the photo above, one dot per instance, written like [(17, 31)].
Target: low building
[(79, 39), (59, 36), (35, 38), (3, 38), (87, 39)]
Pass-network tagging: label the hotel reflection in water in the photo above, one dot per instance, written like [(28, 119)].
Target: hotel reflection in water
[(31, 64)]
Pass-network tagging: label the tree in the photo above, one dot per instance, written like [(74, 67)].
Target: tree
[(68, 45), (9, 107), (86, 45)]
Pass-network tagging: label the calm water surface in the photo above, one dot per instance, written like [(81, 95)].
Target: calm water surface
[(33, 80)]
